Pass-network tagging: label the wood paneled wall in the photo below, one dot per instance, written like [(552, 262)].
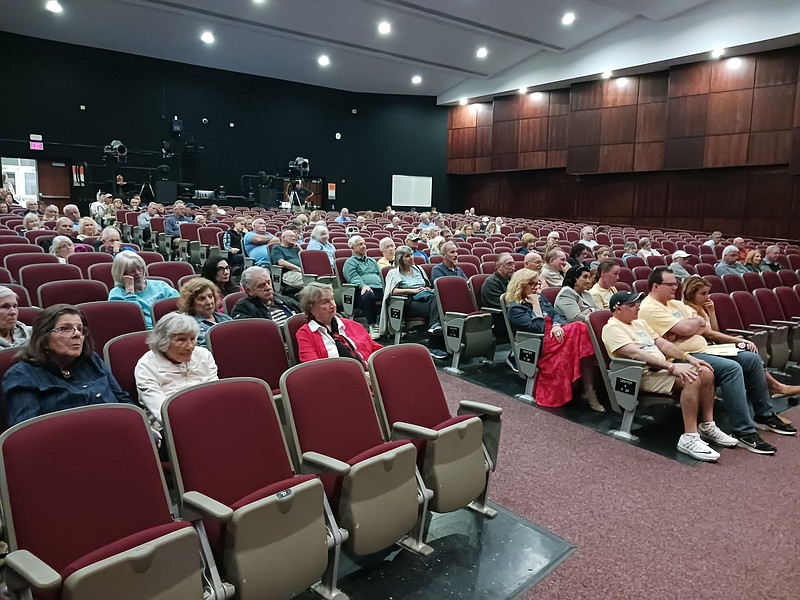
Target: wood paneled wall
[(654, 150)]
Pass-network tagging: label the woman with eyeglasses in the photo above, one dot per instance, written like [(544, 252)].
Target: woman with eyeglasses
[(217, 269), (567, 353), (12, 332), (58, 369)]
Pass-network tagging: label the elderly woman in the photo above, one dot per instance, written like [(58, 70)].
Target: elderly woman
[(174, 362), (217, 270), (567, 353), (574, 300), (261, 301), (12, 332), (62, 247), (579, 254), (58, 369), (527, 243), (606, 278), (199, 299), (326, 335), (320, 241), (646, 248), (388, 248), (130, 285), (491, 228), (87, 227), (752, 261), (436, 243), (629, 249), (51, 213), (31, 222), (555, 265)]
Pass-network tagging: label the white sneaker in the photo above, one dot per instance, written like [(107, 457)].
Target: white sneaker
[(374, 332), (709, 432), (692, 445)]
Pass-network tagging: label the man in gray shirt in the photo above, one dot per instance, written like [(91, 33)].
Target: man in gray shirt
[(729, 263), (678, 266)]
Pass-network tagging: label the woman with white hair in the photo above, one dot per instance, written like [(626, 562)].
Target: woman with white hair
[(174, 362), (32, 222), (130, 284), (646, 248), (388, 248), (12, 332), (319, 241), (62, 247), (587, 237), (435, 245)]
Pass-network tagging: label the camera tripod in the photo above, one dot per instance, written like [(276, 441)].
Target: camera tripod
[(147, 186)]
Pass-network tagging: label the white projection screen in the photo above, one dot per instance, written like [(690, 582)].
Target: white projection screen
[(409, 190)]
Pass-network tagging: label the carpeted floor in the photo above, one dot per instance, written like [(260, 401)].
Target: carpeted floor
[(645, 526)]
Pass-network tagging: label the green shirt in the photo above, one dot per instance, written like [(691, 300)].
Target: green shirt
[(363, 271)]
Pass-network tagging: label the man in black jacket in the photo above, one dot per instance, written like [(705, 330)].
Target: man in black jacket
[(494, 287), (261, 301)]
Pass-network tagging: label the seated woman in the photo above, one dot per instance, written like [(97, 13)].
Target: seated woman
[(58, 369), (629, 249), (606, 277), (87, 227), (130, 284), (646, 248), (388, 248), (32, 222), (574, 300), (601, 253), (217, 269), (320, 241), (12, 332), (527, 243), (579, 254), (62, 247), (696, 295), (435, 245), (326, 335), (51, 213), (174, 362), (752, 261), (199, 299), (567, 353)]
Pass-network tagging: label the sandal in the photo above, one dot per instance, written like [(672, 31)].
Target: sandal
[(593, 402)]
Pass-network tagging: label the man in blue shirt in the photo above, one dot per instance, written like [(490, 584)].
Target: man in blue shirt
[(287, 255), (425, 221), (412, 241), (344, 216), (172, 226), (447, 268), (255, 243)]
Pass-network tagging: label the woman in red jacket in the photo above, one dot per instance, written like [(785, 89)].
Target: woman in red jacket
[(326, 335)]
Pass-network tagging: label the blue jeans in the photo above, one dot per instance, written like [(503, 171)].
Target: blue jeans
[(744, 388)]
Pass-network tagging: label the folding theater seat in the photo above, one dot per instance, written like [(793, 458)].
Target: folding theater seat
[(88, 511), (622, 379), (15, 262), (790, 302), (121, 355), (771, 280), (773, 313), (788, 277), (753, 318), (395, 309), (753, 281), (83, 260), (730, 322), (717, 284), (526, 348), (171, 271), (455, 455), (275, 538), (467, 331), (108, 319), (71, 292), (379, 501), (733, 283)]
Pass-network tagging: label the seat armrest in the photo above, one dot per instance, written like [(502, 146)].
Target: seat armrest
[(627, 362), (37, 573), (455, 315), (404, 431), (200, 504), (781, 323), (762, 327), (491, 311), (740, 332), (479, 408), (316, 463), (521, 336)]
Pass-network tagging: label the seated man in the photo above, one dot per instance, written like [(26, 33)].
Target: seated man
[(255, 243), (729, 263), (261, 301), (770, 261), (491, 290), (448, 267), (365, 273), (425, 221), (741, 377), (533, 261), (172, 226), (110, 242), (63, 227), (287, 255), (626, 336), (679, 262), (412, 241), (143, 220), (344, 216), (713, 239), (553, 270), (74, 214)]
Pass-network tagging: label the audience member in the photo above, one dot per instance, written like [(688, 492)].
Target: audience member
[(143, 221), (58, 369), (71, 211), (579, 255), (130, 284), (12, 332), (344, 216), (172, 226), (533, 261), (680, 260), (587, 237), (261, 301), (770, 262), (448, 266), (567, 353), (729, 263), (217, 270), (198, 299), (173, 363), (111, 242), (605, 283), (287, 256), (553, 270), (232, 242), (627, 336), (62, 247), (32, 222), (435, 245), (752, 261), (63, 228), (412, 241), (87, 228), (388, 247), (600, 253), (527, 244), (256, 243), (365, 273), (574, 301), (629, 249), (425, 221), (51, 213), (646, 248), (319, 241), (492, 289), (32, 207), (713, 239)]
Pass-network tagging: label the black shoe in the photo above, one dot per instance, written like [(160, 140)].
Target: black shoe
[(512, 363), (754, 443), (438, 354), (774, 423)]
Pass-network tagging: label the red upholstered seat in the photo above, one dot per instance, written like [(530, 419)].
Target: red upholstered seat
[(83, 260), (121, 355), (33, 276), (109, 319), (71, 292)]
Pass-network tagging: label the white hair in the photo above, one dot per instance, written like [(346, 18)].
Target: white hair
[(318, 231), (173, 323)]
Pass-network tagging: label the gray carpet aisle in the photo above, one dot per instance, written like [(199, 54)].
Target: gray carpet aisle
[(647, 527)]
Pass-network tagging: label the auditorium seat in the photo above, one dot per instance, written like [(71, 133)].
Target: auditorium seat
[(121, 355), (71, 292), (733, 283), (102, 272), (753, 281), (467, 330), (23, 298), (526, 348), (773, 314), (290, 329), (729, 321), (718, 285), (162, 307), (14, 262), (704, 269), (109, 319), (788, 277), (33, 276), (83, 260), (172, 271), (771, 279)]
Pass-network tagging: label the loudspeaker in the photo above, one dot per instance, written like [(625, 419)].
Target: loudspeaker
[(166, 192)]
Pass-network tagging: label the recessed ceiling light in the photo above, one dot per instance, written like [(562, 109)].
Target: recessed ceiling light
[(482, 52), (384, 27), (622, 81), (568, 18), (523, 90), (717, 52), (53, 6), (734, 63), (207, 37), (607, 74), (416, 80), (259, 1), (323, 61), (537, 96), (462, 101)]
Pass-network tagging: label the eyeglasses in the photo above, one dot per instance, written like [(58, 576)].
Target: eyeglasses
[(68, 330), (672, 285), (225, 268)]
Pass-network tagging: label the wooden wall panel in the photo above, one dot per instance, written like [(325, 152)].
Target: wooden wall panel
[(506, 109), (584, 128), (461, 143), (653, 87), (534, 105), (504, 162), (684, 153), (617, 158), (557, 132), (460, 165), (726, 150), (651, 197), (483, 164), (556, 159), (484, 113), (726, 196), (533, 134), (618, 125), (583, 159), (621, 91), (687, 116), (776, 68), (505, 137), (648, 156), (726, 76), (586, 96), (729, 112), (770, 148), (651, 122), (483, 141), (559, 103), (618, 199), (686, 196), (461, 116), (773, 107), (690, 80), (533, 160)]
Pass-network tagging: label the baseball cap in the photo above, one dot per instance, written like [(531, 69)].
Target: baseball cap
[(680, 254), (624, 298), (192, 205), (413, 238)]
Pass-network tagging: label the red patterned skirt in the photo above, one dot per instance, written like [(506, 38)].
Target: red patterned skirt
[(559, 363)]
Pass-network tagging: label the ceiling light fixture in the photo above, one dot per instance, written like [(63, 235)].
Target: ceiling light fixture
[(462, 101), (258, 1), (607, 74), (568, 18), (717, 52), (734, 63), (537, 96), (523, 90), (482, 52), (53, 6), (416, 80), (622, 81), (384, 28), (323, 61), (207, 37)]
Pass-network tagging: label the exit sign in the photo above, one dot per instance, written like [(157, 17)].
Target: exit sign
[(37, 145)]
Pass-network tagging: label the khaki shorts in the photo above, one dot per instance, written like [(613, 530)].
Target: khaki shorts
[(658, 382)]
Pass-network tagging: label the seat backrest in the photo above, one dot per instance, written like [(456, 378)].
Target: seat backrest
[(768, 302), (753, 281), (476, 285), (189, 231), (7, 358), (734, 283), (83, 260), (468, 268), (748, 308), (469, 259), (727, 315), (23, 298), (162, 307), (345, 424), (717, 284), (641, 272), (788, 277), (315, 262), (290, 329), (231, 299), (33, 276), (453, 295), (14, 262), (102, 272), (550, 293), (109, 319), (121, 355), (51, 466), (208, 235), (626, 275), (598, 320), (71, 292), (172, 271), (634, 261), (488, 268), (790, 302), (704, 269), (150, 257), (5, 276), (265, 358), (771, 279)]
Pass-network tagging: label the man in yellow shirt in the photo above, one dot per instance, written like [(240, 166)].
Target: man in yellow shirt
[(625, 336), (741, 377)]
